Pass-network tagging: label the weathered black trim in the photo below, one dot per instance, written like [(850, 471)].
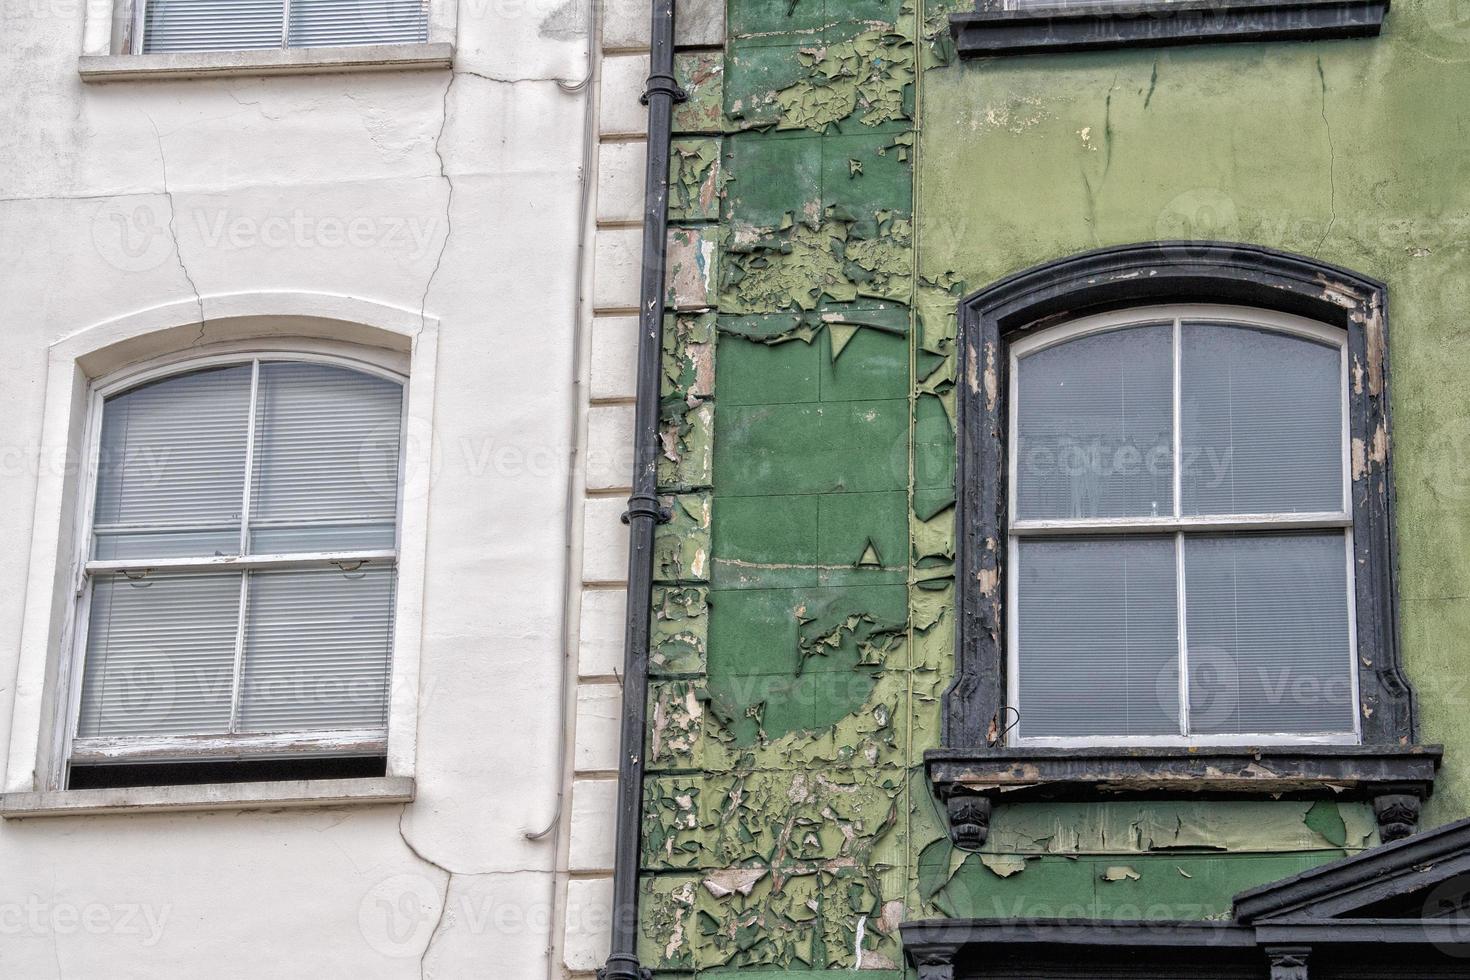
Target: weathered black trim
[(1364, 881), (1397, 910), (1139, 275), (991, 31), (643, 512)]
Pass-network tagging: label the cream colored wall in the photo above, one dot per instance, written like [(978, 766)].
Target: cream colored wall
[(457, 194)]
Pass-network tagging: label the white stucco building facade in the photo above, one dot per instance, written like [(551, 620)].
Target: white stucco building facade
[(438, 208)]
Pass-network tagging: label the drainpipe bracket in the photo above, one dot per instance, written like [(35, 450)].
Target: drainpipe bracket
[(644, 506), (662, 84), (624, 970)]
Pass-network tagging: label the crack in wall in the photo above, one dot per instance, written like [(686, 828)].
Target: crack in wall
[(1331, 163), (448, 199), (173, 228), (443, 902)]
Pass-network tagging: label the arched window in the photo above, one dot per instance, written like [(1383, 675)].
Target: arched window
[(1175, 563), (238, 584), (1180, 535)]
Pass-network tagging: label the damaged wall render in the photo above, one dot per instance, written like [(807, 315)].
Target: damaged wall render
[(868, 180)]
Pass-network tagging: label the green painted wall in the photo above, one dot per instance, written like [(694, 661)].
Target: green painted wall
[(841, 181)]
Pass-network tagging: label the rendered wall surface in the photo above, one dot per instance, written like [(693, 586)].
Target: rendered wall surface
[(869, 180), (455, 194)]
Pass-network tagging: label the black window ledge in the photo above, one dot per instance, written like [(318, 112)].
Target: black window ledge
[(1396, 778), (1060, 27)]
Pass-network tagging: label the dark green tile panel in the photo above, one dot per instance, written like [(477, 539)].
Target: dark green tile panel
[(765, 543), (847, 523), (823, 448)]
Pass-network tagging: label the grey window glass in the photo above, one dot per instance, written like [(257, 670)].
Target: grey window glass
[(212, 25), (160, 655), (1268, 640), (326, 459), (1262, 422), (329, 22), (1095, 427), (318, 644), (171, 468), (1099, 637)]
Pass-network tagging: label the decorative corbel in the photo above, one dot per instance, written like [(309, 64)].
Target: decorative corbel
[(969, 819), (1288, 962), (1398, 815)]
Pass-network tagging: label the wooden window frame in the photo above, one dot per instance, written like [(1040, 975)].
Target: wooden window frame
[(977, 765)]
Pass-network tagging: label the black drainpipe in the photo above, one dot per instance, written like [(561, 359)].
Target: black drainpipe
[(644, 511)]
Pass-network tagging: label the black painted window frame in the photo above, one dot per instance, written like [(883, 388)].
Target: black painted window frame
[(1047, 26), (976, 758)]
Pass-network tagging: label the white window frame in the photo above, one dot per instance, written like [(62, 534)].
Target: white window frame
[(1176, 525), (214, 747)]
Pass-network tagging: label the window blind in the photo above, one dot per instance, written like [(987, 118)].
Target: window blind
[(1262, 422), (1099, 628), (301, 644), (1259, 616), (1095, 436), (221, 25)]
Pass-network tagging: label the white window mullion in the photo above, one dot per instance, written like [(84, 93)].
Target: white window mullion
[(1179, 593), (1178, 417), (244, 546), (285, 24), (239, 653), (1183, 635)]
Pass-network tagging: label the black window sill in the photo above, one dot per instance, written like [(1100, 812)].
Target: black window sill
[(1057, 27), (1395, 777)]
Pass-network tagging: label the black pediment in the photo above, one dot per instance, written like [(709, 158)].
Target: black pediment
[(1426, 876)]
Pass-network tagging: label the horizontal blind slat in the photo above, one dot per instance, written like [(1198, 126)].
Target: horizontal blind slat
[(335, 22), (160, 655), (317, 649), (212, 25)]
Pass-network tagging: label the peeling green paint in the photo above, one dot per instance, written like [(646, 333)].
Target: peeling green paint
[(805, 636), (695, 182)]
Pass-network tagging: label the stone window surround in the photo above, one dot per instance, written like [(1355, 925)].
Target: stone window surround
[(107, 46), (976, 767), (34, 777)]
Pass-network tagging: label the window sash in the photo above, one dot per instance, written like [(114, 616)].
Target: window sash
[(1179, 524), (234, 744)]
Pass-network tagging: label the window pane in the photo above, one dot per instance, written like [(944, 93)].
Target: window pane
[(319, 22), (212, 25), (1098, 637), (1095, 429), (326, 459), (171, 468), (1262, 420), (1267, 617), (160, 655), (317, 650)]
